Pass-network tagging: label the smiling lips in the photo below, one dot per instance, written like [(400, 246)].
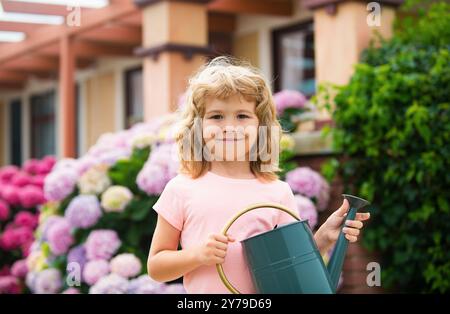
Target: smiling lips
[(229, 139)]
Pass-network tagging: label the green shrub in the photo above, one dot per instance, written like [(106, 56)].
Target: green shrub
[(393, 124)]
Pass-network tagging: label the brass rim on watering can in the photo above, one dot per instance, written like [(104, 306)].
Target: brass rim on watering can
[(219, 267)]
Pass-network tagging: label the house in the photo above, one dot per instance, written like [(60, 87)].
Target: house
[(100, 66), (73, 70)]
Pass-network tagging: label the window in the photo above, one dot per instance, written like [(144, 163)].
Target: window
[(42, 124), (134, 97), (293, 58), (16, 132)]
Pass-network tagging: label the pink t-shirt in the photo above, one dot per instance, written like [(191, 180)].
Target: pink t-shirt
[(198, 207)]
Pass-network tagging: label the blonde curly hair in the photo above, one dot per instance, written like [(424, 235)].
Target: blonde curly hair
[(221, 78)]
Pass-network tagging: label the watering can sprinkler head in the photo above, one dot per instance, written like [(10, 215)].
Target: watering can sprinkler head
[(355, 202)]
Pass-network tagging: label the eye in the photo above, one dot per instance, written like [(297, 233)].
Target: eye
[(216, 117), (243, 116)]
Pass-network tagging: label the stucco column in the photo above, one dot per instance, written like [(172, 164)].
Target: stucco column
[(175, 42), (342, 30)]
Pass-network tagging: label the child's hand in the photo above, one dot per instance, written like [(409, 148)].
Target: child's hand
[(214, 250), (328, 234), (352, 228)]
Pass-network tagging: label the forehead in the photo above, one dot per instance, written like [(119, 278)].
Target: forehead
[(233, 103)]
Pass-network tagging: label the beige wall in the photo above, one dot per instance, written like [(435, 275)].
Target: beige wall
[(100, 109), (2, 133), (246, 47), (340, 38)]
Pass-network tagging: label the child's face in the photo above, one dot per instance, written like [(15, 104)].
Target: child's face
[(230, 128)]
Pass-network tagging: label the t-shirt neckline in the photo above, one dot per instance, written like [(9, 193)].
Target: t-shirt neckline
[(218, 176)]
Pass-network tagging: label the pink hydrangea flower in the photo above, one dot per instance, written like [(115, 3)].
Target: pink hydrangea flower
[(102, 244), (4, 210), (45, 165), (126, 265), (7, 172), (307, 210), (71, 290), (31, 196), (31, 166), (26, 219), (309, 183), (94, 270), (19, 268), (9, 285), (289, 99), (13, 238), (38, 180), (21, 179), (10, 193)]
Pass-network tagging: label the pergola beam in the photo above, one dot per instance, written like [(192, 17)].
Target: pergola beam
[(37, 8), (126, 35), (46, 35), (268, 7)]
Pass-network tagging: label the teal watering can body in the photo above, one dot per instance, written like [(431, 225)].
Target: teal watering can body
[(287, 259)]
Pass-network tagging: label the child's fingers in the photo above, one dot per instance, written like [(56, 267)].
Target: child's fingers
[(221, 246), (341, 211), (351, 238), (230, 238), (220, 237), (220, 253), (354, 223), (351, 231), (362, 216)]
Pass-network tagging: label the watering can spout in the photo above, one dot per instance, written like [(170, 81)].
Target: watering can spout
[(337, 259)]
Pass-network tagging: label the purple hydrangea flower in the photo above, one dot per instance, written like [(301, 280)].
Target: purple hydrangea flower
[(145, 285), (60, 237), (102, 244), (83, 211), (110, 284), (152, 179), (77, 255), (175, 288), (48, 222), (161, 166), (48, 281), (94, 270), (60, 183)]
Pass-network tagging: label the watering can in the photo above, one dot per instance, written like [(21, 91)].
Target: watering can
[(287, 259)]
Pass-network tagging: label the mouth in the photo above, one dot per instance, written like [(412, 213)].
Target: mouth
[(229, 139)]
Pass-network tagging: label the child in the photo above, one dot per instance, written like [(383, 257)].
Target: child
[(229, 102)]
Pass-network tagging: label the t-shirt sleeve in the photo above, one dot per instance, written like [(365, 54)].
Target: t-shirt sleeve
[(170, 205), (288, 200)]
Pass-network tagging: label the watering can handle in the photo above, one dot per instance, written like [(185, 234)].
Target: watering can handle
[(219, 267)]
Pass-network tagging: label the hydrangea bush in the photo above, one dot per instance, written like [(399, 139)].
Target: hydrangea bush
[(95, 230), (21, 193)]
